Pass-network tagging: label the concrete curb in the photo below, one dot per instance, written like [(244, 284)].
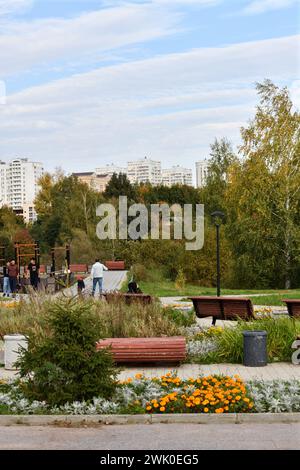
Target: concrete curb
[(100, 420)]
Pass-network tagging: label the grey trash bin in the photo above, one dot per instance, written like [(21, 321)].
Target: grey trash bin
[(255, 348)]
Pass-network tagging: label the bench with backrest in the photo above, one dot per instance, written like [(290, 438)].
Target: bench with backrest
[(115, 265), (223, 308), (79, 268), (146, 350), (293, 306), (144, 299)]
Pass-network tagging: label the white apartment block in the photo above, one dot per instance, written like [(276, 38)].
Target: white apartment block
[(201, 173), (144, 170), (29, 214), (177, 175), (19, 182), (109, 170)]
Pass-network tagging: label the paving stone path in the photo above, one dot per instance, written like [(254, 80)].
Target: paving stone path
[(112, 280)]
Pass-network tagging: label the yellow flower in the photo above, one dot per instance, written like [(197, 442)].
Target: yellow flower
[(149, 408), (138, 376), (205, 410), (162, 408)]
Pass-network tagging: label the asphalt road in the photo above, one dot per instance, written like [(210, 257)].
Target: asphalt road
[(154, 437)]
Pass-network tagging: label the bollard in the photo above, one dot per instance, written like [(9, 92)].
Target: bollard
[(12, 347), (255, 348)]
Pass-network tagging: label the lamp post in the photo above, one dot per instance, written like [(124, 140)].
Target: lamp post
[(218, 217)]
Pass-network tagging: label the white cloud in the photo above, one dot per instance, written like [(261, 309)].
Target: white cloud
[(169, 107), (24, 45), (14, 6), (262, 6)]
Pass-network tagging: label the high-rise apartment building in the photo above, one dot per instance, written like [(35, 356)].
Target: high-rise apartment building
[(109, 170), (177, 175), (144, 170), (19, 182), (201, 173)]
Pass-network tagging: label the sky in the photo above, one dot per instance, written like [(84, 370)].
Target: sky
[(84, 83)]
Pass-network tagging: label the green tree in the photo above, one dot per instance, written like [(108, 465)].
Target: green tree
[(222, 158), (264, 195), (119, 185)]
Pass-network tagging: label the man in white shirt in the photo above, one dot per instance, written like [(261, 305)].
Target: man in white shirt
[(97, 275)]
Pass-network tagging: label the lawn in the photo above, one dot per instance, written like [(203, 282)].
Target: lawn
[(166, 288)]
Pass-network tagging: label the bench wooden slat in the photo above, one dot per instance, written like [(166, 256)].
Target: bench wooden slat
[(128, 298), (293, 306), (115, 265), (130, 350), (223, 308)]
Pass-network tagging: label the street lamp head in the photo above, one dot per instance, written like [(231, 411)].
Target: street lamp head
[(217, 215)]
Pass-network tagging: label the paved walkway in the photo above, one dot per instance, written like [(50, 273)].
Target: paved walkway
[(112, 280), (280, 370), (154, 437)]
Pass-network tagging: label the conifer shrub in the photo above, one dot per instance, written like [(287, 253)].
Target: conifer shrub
[(64, 366)]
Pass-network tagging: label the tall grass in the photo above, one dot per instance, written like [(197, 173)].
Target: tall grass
[(116, 318), (281, 332)]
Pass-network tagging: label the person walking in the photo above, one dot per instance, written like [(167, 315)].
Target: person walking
[(97, 275), (13, 273), (6, 285), (34, 273), (80, 286)]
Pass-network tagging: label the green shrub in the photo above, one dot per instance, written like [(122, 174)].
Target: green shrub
[(180, 280), (139, 272), (64, 365)]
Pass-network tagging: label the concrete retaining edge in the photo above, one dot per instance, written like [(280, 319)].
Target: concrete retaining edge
[(100, 420)]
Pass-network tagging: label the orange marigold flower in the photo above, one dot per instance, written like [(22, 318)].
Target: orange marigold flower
[(205, 410), (162, 408), (219, 410)]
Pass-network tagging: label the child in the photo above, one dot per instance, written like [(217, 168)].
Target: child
[(80, 285)]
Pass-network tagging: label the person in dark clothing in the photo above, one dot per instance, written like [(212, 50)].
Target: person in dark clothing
[(80, 285), (133, 288), (6, 284), (34, 273), (13, 273)]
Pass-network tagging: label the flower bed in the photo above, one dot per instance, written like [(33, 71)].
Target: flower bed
[(169, 394)]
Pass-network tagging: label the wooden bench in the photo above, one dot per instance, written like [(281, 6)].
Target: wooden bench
[(223, 308), (115, 265), (79, 268), (144, 299), (293, 306), (146, 350)]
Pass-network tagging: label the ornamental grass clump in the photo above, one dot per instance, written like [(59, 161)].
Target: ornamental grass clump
[(281, 333), (64, 365)]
